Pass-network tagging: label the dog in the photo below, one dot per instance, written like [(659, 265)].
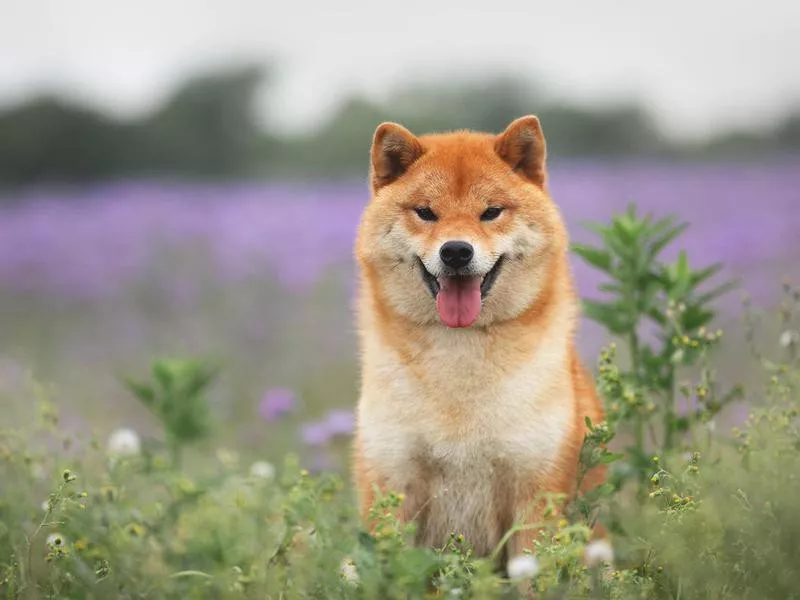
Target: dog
[(472, 396)]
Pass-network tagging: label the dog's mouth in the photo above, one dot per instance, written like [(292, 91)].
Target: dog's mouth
[(459, 297)]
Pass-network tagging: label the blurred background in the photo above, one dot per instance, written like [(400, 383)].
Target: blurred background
[(184, 178)]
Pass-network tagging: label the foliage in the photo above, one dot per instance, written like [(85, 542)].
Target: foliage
[(208, 128), (662, 314), (703, 516), (175, 395)]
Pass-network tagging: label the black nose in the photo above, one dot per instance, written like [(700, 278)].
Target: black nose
[(456, 255)]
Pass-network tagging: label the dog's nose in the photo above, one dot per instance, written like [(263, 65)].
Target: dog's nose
[(457, 254)]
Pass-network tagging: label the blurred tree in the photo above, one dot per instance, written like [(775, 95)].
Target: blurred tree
[(624, 130), (49, 139), (339, 147), (788, 133), (208, 127)]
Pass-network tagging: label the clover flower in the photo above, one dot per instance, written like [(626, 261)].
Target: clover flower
[(348, 571), (789, 338), (261, 469), (522, 566), (598, 552), (124, 442)]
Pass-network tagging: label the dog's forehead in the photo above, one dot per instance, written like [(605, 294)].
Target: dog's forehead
[(450, 188)]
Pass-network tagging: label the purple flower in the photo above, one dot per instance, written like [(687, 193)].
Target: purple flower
[(315, 433), (322, 462), (276, 403), (340, 422)]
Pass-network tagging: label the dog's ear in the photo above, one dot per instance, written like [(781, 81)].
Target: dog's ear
[(523, 147), (394, 150)]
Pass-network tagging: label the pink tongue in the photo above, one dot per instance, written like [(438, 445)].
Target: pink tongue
[(459, 300)]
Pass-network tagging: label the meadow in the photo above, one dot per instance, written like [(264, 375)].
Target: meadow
[(232, 302)]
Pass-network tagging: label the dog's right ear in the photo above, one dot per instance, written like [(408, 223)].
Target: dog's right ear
[(394, 150)]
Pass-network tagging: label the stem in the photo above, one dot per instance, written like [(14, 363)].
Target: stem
[(670, 409), (174, 452), (633, 346)]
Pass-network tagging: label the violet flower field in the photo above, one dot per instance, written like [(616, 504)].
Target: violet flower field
[(94, 282)]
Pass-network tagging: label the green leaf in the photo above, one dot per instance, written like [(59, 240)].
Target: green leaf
[(622, 248), (679, 277), (683, 272), (610, 315), (657, 316), (718, 291), (610, 457), (366, 541), (199, 380), (680, 424), (662, 242), (612, 288), (625, 229), (597, 228), (695, 317), (597, 257), (163, 373), (142, 391), (605, 488), (700, 276)]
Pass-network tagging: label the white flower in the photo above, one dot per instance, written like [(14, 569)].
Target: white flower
[(598, 552), (56, 540), (46, 505), (348, 571), (789, 338), (124, 442), (262, 469), (522, 566)]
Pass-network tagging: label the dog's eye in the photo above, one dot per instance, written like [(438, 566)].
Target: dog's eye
[(426, 214), (491, 213)]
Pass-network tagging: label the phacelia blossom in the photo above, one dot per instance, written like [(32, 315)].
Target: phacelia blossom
[(276, 403), (340, 422)]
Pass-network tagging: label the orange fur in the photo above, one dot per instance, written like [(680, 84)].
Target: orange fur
[(469, 423)]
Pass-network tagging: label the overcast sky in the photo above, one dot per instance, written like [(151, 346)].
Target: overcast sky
[(699, 64)]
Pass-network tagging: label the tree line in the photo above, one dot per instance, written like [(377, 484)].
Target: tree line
[(209, 129)]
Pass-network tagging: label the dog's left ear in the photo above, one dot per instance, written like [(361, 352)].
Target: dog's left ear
[(523, 147)]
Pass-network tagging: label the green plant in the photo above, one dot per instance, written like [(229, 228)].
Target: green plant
[(176, 396), (661, 313)]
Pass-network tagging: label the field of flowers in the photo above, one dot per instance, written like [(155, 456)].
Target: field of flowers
[(105, 290)]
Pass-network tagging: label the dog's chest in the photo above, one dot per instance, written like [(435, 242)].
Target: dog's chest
[(460, 447)]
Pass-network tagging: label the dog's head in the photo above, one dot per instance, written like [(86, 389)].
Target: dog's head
[(460, 229)]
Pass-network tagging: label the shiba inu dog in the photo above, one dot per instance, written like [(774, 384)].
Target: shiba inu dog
[(473, 397)]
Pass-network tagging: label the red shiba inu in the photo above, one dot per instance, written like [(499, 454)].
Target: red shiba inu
[(473, 397)]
